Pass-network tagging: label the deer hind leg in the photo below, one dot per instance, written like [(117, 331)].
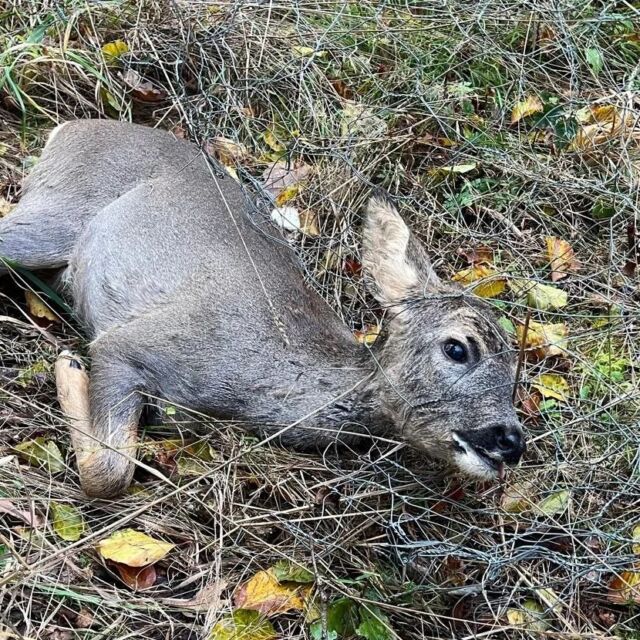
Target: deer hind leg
[(37, 236), (103, 414)]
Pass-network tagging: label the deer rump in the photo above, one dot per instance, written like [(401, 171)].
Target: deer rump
[(186, 295)]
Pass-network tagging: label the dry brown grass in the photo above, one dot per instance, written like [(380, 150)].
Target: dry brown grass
[(438, 83)]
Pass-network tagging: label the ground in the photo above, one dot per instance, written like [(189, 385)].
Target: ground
[(507, 133)]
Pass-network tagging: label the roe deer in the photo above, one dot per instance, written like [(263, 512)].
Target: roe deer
[(185, 297)]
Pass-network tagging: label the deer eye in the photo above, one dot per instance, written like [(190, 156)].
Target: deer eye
[(456, 351)]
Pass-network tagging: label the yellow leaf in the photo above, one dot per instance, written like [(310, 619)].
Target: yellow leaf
[(544, 339), (38, 309), (527, 107), (115, 49), (636, 539), (492, 285), (265, 594), (601, 124), (243, 625), (530, 616), (625, 588), (287, 194), (550, 599), (554, 504), (133, 548), (43, 453), (67, 521), (368, 335), (551, 385), (272, 140), (308, 52), (561, 257)]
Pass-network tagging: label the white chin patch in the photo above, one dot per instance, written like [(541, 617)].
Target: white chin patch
[(471, 464)]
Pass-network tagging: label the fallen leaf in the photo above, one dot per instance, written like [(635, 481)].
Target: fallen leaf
[(265, 594), (7, 506), (554, 504), (287, 194), (543, 339), (530, 616), (527, 107), (454, 169), (227, 151), (516, 498), (601, 124), (84, 619), (142, 89), (207, 599), (561, 258), (115, 49), (539, 296), (136, 578), (287, 571), (374, 624), (625, 588), (280, 175), (309, 224), (308, 52), (493, 284), (549, 599), (133, 548), (368, 335), (477, 255), (272, 138), (635, 536), (551, 385), (339, 621), (529, 402), (287, 218), (67, 521), (42, 453), (243, 625), (358, 120), (38, 309)]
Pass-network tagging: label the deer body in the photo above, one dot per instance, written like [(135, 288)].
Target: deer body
[(186, 296)]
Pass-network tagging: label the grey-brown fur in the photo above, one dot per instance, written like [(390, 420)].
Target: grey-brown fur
[(185, 298)]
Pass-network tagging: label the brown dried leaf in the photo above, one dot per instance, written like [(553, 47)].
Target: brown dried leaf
[(136, 578), (561, 258), (228, 151), (477, 255), (280, 175), (207, 599), (141, 88), (625, 588), (543, 340), (7, 506)]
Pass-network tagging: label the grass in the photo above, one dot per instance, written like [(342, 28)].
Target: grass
[(416, 98)]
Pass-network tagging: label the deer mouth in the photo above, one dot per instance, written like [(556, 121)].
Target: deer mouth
[(475, 461)]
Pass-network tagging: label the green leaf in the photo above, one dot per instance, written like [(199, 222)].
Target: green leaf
[(540, 296), (243, 624), (374, 624), (602, 210), (42, 453), (554, 504), (507, 325), (594, 60), (67, 521), (286, 571), (338, 621)]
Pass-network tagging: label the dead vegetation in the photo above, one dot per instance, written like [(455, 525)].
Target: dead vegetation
[(508, 135)]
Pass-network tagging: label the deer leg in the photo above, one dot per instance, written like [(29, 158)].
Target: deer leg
[(103, 414)]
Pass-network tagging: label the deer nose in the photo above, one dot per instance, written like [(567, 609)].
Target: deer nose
[(509, 442)]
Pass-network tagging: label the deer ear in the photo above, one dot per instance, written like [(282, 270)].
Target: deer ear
[(394, 262)]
